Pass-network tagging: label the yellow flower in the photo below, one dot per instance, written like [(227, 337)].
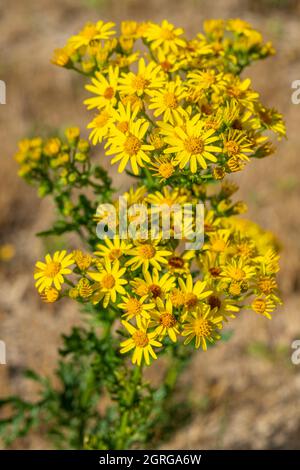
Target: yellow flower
[(263, 305), (272, 120), (148, 77), (203, 325), (177, 298), (168, 62), (167, 100), (130, 147), (105, 88), (153, 285), (240, 91), (83, 260), (179, 264), (110, 282), (236, 144), (206, 80), (266, 284), (269, 261), (141, 341), (49, 295), (165, 36), (221, 305), (113, 249), (52, 147), (214, 28), (245, 248), (73, 293), (84, 288), (92, 32), (130, 29), (146, 254), (237, 270), (168, 196), (238, 26), (135, 195), (123, 116), (193, 292), (193, 145), (135, 308), (218, 241), (164, 320), (156, 140), (135, 102), (72, 134), (162, 168), (29, 149), (218, 173), (61, 56), (126, 43), (235, 164), (100, 126), (53, 270)]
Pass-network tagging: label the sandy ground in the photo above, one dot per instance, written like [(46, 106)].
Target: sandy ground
[(245, 393)]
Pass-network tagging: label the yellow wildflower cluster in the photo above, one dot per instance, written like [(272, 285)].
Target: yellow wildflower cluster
[(163, 292), (180, 107), (178, 116)]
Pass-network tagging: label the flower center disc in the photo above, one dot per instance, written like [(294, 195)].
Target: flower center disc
[(214, 302), (155, 290), (133, 306), (167, 34), (166, 170), (109, 93), (115, 254), (52, 269), (176, 262), (108, 281), (259, 305), (194, 145), (232, 147), (238, 274), (167, 320), (140, 339), (140, 82), (132, 145), (147, 251), (202, 327), (170, 100), (191, 300)]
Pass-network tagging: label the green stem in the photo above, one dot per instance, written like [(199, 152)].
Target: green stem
[(149, 178), (131, 397)]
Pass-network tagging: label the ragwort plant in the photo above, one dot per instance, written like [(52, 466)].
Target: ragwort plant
[(176, 115)]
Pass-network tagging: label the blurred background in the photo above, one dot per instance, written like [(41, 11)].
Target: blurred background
[(242, 394)]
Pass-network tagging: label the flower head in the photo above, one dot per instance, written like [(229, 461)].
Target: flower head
[(164, 320), (203, 325), (53, 270), (167, 102), (165, 36), (105, 88), (148, 77), (148, 253), (110, 282), (136, 308), (92, 32), (141, 341), (130, 147), (193, 145)]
